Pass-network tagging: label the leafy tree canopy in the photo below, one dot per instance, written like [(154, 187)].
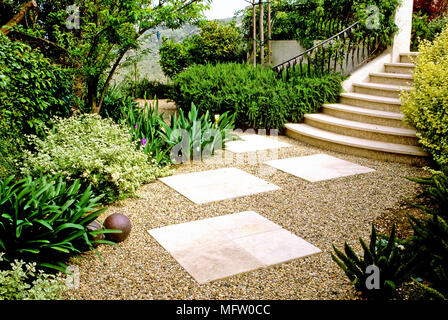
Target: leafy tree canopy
[(98, 36)]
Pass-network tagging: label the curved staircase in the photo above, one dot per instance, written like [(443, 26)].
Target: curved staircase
[(368, 121)]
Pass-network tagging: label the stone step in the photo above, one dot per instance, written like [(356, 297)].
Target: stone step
[(408, 57), (362, 130), (372, 116), (403, 68), (370, 101), (392, 78), (361, 147), (379, 89)]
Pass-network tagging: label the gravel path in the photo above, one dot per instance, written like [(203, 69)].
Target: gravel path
[(322, 213)]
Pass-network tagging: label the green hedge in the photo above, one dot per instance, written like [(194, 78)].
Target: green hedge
[(259, 97), (148, 89), (32, 90)]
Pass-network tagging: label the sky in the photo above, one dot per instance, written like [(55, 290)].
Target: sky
[(221, 9)]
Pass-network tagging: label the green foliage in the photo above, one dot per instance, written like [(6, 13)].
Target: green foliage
[(426, 105), (385, 252), (32, 89), (185, 138), (108, 30), (145, 127), (174, 57), (435, 189), (431, 237), (149, 89), (258, 96), (431, 292), (293, 20), (45, 220), (384, 28), (425, 29), (310, 93), (114, 102), (216, 43), (10, 150), (24, 282), (254, 94), (431, 232), (320, 19), (196, 137), (97, 151)]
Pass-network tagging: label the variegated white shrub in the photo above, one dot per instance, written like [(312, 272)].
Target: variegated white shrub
[(96, 150), (23, 282), (426, 105)]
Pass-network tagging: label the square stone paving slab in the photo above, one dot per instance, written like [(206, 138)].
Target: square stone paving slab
[(216, 261), (254, 142), (224, 246), (276, 247), (215, 185), (318, 167)]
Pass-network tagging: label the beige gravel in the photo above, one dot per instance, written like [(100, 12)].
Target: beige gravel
[(322, 213)]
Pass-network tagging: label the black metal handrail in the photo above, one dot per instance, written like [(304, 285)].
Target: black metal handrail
[(319, 59)]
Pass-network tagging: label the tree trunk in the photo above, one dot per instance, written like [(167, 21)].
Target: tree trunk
[(269, 33), (109, 78), (261, 34), (92, 91), (254, 33), (18, 17)]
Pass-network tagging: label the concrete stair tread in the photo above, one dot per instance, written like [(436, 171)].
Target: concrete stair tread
[(414, 53), (392, 75), (365, 111), (330, 120), (372, 98), (381, 86), (315, 133), (400, 64)]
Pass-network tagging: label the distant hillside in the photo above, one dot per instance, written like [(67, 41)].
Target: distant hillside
[(148, 64)]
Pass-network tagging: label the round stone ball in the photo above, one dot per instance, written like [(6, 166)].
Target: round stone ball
[(94, 226), (118, 221)]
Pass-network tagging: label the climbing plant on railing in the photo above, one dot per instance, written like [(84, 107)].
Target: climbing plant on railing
[(300, 20), (342, 53), (311, 20), (354, 45)]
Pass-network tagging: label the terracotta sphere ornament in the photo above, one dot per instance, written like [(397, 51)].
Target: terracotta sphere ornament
[(118, 221)]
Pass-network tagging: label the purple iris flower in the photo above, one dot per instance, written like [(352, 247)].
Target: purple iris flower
[(136, 125), (144, 141)]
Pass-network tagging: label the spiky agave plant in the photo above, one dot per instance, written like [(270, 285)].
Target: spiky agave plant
[(385, 252), (431, 232), (435, 189)]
